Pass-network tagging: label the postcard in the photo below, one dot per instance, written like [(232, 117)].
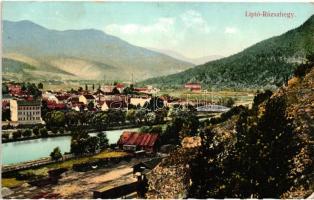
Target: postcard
[(157, 100)]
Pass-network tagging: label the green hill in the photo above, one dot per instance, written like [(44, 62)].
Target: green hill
[(265, 64)]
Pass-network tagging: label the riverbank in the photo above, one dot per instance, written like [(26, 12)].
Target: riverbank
[(51, 134), (45, 164)]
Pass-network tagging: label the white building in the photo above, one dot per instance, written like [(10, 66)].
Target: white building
[(25, 112), (87, 98), (139, 100)]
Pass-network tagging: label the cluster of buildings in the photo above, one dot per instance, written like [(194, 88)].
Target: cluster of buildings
[(194, 87), (24, 109)]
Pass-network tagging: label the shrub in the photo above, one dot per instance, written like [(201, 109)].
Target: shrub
[(5, 136), (54, 130), (56, 154), (17, 134), (36, 130), (260, 97), (27, 133), (43, 132), (61, 130)]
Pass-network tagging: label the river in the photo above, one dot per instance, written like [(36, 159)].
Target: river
[(21, 151)]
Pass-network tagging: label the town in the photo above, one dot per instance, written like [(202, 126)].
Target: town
[(150, 126)]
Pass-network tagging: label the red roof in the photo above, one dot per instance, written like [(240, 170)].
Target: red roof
[(140, 89), (74, 99), (138, 139), (120, 85), (62, 97), (193, 85), (88, 96), (54, 105)]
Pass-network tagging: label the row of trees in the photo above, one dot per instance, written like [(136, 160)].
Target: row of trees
[(36, 131), (102, 119)]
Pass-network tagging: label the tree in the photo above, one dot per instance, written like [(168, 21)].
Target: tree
[(116, 116), (27, 133), (103, 140), (131, 115), (86, 87), (184, 123), (17, 134), (56, 154), (129, 90), (151, 118), (43, 132), (79, 141), (5, 135), (40, 85), (92, 144), (226, 101), (154, 104), (90, 105), (303, 69), (160, 115), (115, 91), (55, 119), (265, 150), (6, 114), (71, 118), (260, 97), (100, 120), (5, 89), (36, 130), (80, 89)]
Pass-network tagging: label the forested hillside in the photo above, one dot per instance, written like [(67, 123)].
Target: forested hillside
[(265, 64)]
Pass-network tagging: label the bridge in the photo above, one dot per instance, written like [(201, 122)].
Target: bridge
[(212, 108)]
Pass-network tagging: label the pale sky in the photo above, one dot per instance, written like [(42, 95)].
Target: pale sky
[(192, 29)]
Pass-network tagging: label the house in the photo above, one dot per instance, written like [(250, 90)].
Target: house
[(110, 104), (6, 101), (63, 98), (132, 141), (79, 106), (56, 106), (120, 87), (48, 96), (87, 98), (147, 90), (25, 112), (194, 87), (139, 100), (107, 89), (15, 90)]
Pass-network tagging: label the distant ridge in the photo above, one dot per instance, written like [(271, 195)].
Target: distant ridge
[(81, 54)]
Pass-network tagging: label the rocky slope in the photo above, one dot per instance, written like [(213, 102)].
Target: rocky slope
[(172, 179)]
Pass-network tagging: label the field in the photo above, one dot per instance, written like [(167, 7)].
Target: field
[(240, 97)]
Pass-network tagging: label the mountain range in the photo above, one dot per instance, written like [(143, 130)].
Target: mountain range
[(196, 61), (266, 64), (31, 51)]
